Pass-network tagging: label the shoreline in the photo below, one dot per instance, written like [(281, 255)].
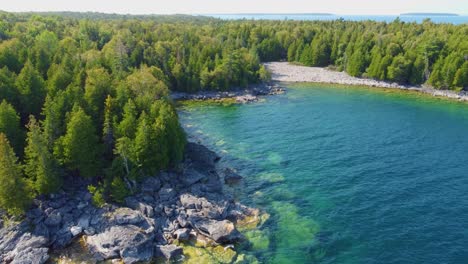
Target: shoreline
[(238, 95), (284, 72), (177, 215)]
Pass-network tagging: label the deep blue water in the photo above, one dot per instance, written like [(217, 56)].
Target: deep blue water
[(348, 175), (381, 18)]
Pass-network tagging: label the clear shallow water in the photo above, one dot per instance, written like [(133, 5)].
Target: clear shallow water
[(348, 175), (382, 18)]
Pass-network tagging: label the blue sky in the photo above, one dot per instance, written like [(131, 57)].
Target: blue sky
[(239, 6)]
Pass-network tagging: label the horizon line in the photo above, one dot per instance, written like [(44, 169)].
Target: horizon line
[(237, 13)]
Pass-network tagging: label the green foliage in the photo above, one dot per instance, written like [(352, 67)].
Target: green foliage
[(357, 63), (10, 126), (399, 70), (79, 149), (264, 74), (118, 190), (97, 193), (98, 85), (31, 88), (14, 196), (40, 166), (461, 77)]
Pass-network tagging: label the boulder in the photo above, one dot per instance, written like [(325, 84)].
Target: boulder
[(126, 216), (29, 249), (191, 176), (190, 201), (32, 256), (126, 242), (76, 230), (54, 219), (62, 238), (182, 234), (41, 230), (231, 177), (150, 185), (84, 220), (166, 194), (201, 156), (220, 231), (169, 252)]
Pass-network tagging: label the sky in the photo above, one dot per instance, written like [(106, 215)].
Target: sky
[(361, 7)]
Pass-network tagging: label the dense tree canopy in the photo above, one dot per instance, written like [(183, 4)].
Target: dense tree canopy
[(92, 90)]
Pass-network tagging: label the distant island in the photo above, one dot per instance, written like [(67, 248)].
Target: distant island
[(276, 14), (429, 14)]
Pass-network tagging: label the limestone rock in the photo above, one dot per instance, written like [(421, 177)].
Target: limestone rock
[(126, 242)]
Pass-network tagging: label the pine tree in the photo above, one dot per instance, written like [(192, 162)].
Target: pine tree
[(108, 130), (14, 196), (461, 77), (32, 90), (79, 148), (40, 166), (126, 127), (10, 125), (357, 63)]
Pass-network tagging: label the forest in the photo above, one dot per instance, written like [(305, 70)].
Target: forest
[(88, 95)]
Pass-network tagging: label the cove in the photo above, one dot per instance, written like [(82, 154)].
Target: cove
[(348, 175)]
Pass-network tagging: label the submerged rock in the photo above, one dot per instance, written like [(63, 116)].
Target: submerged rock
[(220, 231), (231, 177), (169, 252)]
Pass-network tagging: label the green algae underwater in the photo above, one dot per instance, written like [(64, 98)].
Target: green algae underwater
[(347, 174)]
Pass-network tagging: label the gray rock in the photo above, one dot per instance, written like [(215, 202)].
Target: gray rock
[(32, 256), (76, 230), (166, 194), (126, 216), (83, 222), (34, 213), (126, 242), (190, 201), (231, 177), (143, 208), (169, 252), (89, 231), (28, 249), (182, 234), (201, 156), (63, 238), (41, 230), (81, 205), (150, 185), (191, 176), (220, 231), (54, 219)]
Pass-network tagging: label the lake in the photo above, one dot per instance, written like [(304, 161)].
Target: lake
[(381, 18), (348, 175)]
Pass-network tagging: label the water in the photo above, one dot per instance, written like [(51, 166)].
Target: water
[(381, 18), (348, 175)]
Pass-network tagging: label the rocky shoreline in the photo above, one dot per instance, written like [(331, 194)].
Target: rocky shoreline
[(173, 211), (286, 72), (239, 95)]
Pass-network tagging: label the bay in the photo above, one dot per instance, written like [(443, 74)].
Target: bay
[(349, 175)]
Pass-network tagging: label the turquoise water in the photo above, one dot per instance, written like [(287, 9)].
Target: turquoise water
[(382, 18), (348, 175)]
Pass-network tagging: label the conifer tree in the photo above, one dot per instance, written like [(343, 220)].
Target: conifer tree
[(10, 125), (79, 148), (108, 137), (14, 195), (40, 166), (31, 87)]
